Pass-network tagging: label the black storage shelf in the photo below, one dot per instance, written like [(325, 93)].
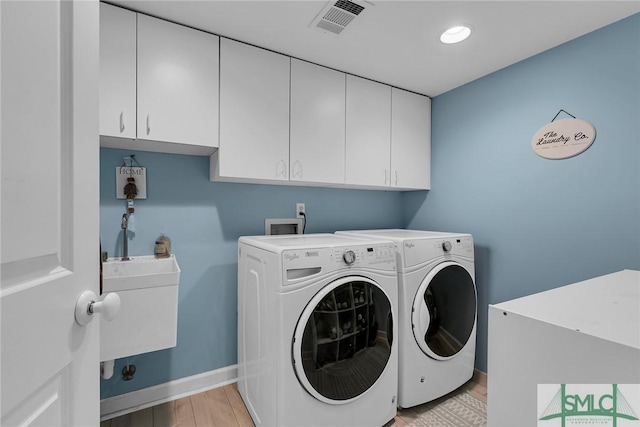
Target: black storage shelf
[(342, 324)]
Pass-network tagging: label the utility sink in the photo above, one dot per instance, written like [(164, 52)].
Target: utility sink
[(139, 272), (148, 317)]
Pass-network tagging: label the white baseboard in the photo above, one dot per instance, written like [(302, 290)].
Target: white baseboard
[(140, 399)]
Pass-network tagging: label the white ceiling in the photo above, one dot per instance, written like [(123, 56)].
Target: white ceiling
[(396, 42)]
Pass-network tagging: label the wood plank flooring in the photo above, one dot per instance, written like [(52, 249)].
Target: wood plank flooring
[(223, 407)]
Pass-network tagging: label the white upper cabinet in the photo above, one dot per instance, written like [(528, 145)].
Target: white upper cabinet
[(117, 72), (410, 140), (368, 130), (177, 84), (254, 114), (317, 149), (169, 88), (158, 84)]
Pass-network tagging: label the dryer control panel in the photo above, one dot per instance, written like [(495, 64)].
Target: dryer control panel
[(417, 251)]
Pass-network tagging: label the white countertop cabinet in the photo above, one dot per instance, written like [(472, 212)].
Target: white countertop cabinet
[(158, 84), (584, 333), (117, 72), (410, 140), (254, 114), (368, 133), (317, 124)]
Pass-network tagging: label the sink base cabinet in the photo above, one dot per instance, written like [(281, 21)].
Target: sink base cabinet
[(147, 321)]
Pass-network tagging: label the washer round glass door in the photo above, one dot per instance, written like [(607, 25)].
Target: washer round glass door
[(343, 340), (444, 311)]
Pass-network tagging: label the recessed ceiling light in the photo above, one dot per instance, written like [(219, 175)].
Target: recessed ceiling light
[(455, 34)]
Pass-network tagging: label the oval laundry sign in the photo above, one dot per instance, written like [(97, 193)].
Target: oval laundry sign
[(563, 138)]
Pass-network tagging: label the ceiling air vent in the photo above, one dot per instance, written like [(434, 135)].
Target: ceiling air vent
[(334, 17)]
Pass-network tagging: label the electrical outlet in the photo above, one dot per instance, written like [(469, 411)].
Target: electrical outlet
[(300, 210)]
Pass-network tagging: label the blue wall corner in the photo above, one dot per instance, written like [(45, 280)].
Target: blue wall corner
[(538, 223)]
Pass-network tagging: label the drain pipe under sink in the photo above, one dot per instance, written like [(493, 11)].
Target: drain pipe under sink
[(106, 369)]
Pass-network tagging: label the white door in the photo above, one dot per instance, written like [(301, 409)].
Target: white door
[(49, 368), (117, 72), (410, 140), (317, 123), (254, 113), (177, 83), (368, 141)]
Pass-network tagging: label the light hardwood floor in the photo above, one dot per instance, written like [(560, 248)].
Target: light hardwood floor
[(223, 407)]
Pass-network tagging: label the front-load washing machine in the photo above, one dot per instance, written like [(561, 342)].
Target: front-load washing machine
[(316, 330), (437, 304)]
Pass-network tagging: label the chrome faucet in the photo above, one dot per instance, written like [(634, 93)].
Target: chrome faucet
[(125, 239)]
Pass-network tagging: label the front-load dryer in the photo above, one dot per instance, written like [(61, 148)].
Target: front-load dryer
[(437, 303), (316, 330)]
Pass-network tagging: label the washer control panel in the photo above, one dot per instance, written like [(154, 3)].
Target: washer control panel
[(365, 255), (381, 256), (349, 256)]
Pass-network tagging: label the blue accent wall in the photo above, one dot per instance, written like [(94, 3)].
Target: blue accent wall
[(204, 220), (539, 223)]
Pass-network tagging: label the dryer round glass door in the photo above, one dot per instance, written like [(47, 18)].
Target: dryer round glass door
[(343, 340), (444, 311)]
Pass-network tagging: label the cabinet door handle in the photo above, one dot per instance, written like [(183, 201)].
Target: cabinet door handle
[(396, 177), (122, 121), (281, 168), (297, 171), (148, 124)]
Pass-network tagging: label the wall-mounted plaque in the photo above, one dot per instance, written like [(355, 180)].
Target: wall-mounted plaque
[(563, 138), (139, 174)]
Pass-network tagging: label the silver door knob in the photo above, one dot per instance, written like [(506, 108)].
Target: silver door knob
[(87, 305)]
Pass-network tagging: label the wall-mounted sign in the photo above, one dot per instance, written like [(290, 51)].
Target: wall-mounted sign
[(563, 138), (139, 174)]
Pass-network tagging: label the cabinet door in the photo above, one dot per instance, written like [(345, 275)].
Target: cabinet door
[(117, 72), (410, 140), (317, 123), (368, 124), (254, 113), (177, 83)]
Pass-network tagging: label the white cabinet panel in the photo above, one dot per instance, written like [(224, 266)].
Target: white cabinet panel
[(177, 83), (410, 140), (368, 132), (317, 124), (584, 333), (254, 114), (117, 72)]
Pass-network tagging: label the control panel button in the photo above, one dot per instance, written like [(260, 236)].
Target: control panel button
[(349, 257), (446, 246)]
